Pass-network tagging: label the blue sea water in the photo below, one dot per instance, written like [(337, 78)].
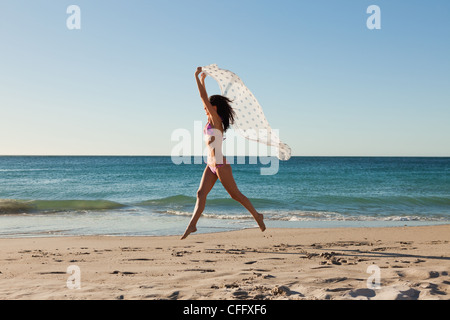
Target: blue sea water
[(102, 195)]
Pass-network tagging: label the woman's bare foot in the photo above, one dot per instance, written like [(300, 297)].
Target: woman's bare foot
[(190, 229), (260, 220)]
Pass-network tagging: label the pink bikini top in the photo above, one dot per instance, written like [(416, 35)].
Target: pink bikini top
[(208, 130)]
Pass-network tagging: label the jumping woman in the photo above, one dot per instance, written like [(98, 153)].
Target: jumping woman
[(220, 116)]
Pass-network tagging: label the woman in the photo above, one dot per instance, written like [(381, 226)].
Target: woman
[(220, 116)]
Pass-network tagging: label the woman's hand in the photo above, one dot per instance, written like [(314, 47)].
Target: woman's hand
[(199, 69), (202, 78)]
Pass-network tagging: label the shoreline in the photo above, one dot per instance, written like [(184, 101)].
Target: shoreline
[(280, 263), (276, 229), (207, 229)]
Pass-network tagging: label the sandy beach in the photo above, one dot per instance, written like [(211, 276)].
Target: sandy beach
[(409, 262)]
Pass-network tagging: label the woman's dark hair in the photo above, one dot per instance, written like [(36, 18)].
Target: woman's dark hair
[(224, 110)]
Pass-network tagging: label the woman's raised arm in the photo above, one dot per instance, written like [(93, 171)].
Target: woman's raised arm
[(204, 94)]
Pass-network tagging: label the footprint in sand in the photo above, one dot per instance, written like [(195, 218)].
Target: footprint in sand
[(240, 294), (201, 270), (362, 293), (123, 272), (434, 289), (174, 295), (53, 272), (333, 280)]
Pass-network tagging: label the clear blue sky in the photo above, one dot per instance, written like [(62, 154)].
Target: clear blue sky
[(124, 82)]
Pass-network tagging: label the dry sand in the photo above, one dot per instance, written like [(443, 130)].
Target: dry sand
[(413, 263)]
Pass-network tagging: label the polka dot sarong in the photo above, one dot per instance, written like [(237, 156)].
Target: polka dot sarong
[(250, 121)]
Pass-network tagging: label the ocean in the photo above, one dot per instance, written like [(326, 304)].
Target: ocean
[(140, 195)]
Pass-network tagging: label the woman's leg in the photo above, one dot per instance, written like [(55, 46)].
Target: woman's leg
[(226, 177), (206, 184)]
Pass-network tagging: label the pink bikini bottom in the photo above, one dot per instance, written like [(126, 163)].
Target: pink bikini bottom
[(213, 169)]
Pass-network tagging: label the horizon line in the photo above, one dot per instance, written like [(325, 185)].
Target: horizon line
[(164, 155)]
